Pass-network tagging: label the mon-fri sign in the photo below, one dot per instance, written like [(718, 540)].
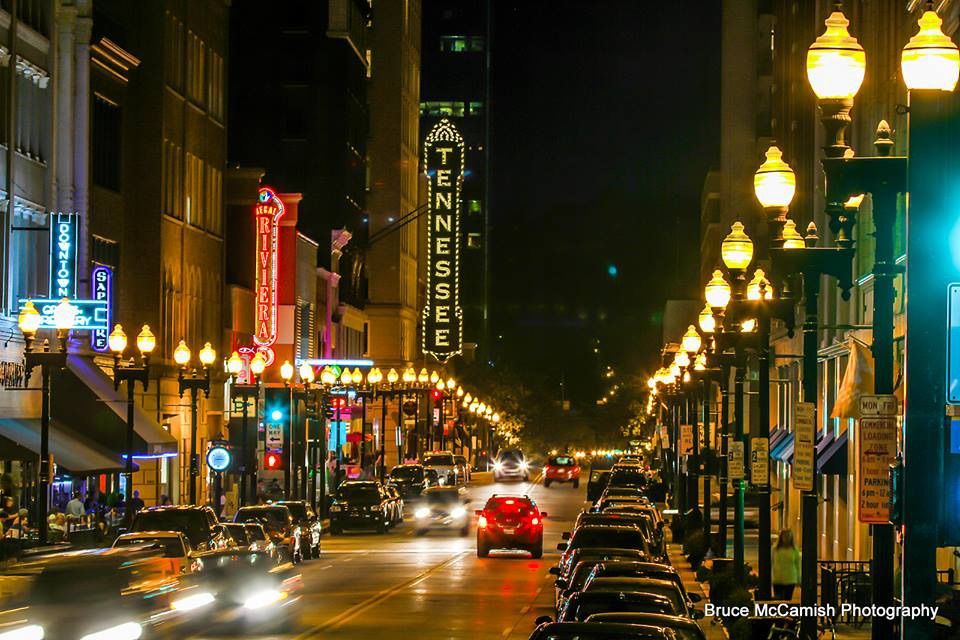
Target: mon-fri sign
[(804, 430), (686, 439), (878, 450)]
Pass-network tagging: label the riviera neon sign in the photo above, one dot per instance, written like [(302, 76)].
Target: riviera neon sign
[(442, 314), (267, 214)]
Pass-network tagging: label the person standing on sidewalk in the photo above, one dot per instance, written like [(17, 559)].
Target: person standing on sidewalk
[(786, 566)]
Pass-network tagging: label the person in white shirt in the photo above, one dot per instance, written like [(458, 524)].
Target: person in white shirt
[(75, 506)]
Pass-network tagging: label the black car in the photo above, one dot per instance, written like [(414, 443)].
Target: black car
[(666, 588), (409, 479), (597, 483), (596, 631), (199, 524), (360, 504), (584, 604), (684, 628), (627, 477), (309, 523), (280, 526), (631, 569)]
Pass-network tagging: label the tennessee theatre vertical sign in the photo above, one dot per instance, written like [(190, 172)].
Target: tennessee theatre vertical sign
[(442, 315), (267, 215)]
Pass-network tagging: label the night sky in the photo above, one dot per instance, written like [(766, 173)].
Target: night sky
[(605, 122)]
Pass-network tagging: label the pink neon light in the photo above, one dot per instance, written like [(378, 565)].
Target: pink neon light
[(267, 214)]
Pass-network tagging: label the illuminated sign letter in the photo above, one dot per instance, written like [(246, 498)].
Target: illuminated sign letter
[(267, 214), (442, 315), (101, 278), (63, 255)]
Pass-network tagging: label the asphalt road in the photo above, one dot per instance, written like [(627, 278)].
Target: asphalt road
[(394, 585)]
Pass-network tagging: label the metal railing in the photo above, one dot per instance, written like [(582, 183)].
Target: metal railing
[(845, 581)]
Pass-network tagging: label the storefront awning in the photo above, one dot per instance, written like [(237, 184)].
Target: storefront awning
[(20, 440), (776, 435), (83, 397), (833, 460), (783, 449)]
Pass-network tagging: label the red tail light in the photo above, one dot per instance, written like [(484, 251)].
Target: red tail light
[(482, 522)]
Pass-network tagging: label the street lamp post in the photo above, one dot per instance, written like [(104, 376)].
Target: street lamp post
[(131, 372), (29, 321), (245, 392), (195, 382)]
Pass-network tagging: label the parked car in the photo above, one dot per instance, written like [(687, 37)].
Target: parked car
[(683, 628), (431, 477), (510, 464), (564, 572), (561, 469), (279, 524), (584, 604), (597, 483), (443, 508), (463, 468), (173, 546), (444, 464), (627, 477), (620, 584), (593, 630), (360, 504), (396, 504), (309, 524), (609, 536), (510, 522), (199, 524), (410, 479), (642, 521), (629, 569)]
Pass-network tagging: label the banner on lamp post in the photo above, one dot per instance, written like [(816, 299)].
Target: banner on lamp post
[(735, 460)]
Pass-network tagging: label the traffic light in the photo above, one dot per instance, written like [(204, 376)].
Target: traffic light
[(272, 461), (437, 396), (276, 404)]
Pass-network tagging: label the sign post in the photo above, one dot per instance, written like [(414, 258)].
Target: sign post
[(878, 450), (804, 427), (686, 439)]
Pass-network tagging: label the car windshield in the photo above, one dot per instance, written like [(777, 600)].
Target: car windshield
[(562, 461), (668, 591), (274, 515), (297, 509), (580, 574), (439, 460), (256, 533), (237, 532), (362, 493), (407, 473), (651, 604), (627, 478), (192, 523), (604, 537), (172, 547), (510, 456), (443, 497)]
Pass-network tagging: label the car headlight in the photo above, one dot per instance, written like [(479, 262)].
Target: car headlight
[(125, 631), (498, 466), (458, 512), (422, 512), (29, 632), (193, 601), (524, 465), (263, 598)]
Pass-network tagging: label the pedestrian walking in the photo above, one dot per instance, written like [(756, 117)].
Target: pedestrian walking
[(136, 502), (786, 566)]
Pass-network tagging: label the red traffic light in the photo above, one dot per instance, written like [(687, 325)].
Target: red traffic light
[(437, 394), (272, 461)]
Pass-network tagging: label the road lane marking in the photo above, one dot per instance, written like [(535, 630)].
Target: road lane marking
[(329, 566), (523, 612), (347, 615)]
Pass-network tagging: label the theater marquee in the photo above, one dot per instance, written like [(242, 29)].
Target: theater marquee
[(442, 315)]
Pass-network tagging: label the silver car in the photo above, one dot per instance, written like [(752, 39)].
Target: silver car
[(442, 508)]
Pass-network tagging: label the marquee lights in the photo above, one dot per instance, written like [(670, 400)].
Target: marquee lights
[(267, 214), (443, 152)]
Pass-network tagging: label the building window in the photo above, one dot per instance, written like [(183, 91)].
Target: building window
[(450, 109), (215, 81), (461, 44), (104, 251), (304, 330), (473, 240), (171, 179), (196, 62), (476, 108), (106, 143), (173, 37)]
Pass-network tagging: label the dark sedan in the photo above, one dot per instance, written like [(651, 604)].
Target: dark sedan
[(278, 521), (409, 479), (594, 631), (684, 628), (309, 523), (580, 606), (360, 504)]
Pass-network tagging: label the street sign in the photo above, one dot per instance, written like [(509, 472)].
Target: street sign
[(274, 435), (686, 439), (882, 405), (735, 460), (101, 283), (760, 461), (878, 450), (804, 430)]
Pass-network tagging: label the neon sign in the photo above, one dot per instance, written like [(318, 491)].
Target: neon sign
[(267, 214), (91, 314), (63, 255), (442, 314), (101, 278)]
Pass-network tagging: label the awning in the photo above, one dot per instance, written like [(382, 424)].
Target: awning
[(83, 397), (778, 434), (833, 461), (783, 448), (20, 440), (823, 443)]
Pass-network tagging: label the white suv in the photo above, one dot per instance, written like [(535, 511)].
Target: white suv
[(445, 465)]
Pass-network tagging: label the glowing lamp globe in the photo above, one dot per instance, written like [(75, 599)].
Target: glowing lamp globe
[(306, 373), (495, 417), (691, 341), (29, 319), (286, 371), (736, 250), (423, 377), (774, 183), (434, 376), (181, 355), (708, 324), (759, 282), (441, 385), (409, 375), (791, 237), (393, 376), (836, 62), (748, 326), (207, 354), (931, 59), (234, 364), (117, 340), (460, 392), (700, 364), (64, 314), (717, 291), (146, 341), (356, 377), (257, 364), (328, 377), (468, 398), (681, 359), (374, 376)]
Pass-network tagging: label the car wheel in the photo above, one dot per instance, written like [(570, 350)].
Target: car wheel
[(483, 549), (576, 484), (465, 531), (537, 552), (546, 482)]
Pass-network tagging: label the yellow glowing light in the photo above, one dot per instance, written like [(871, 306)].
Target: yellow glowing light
[(327, 376), (357, 376), (181, 355), (674, 372), (700, 364), (708, 324), (651, 383), (736, 250), (459, 392), (409, 375), (257, 364), (306, 373), (931, 59), (748, 326), (774, 183), (717, 291), (117, 340), (29, 319), (207, 354), (791, 237), (468, 398), (753, 288), (835, 61), (147, 342), (393, 376), (64, 315), (681, 359), (423, 376), (691, 340), (286, 371), (854, 202), (374, 376), (345, 377), (441, 385), (434, 376), (234, 364)]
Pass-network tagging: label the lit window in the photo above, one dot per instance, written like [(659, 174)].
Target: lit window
[(461, 44), (476, 108), (473, 240), (474, 207), (441, 108)]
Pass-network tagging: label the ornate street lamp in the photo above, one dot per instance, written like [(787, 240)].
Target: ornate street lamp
[(194, 382), (930, 60), (775, 184)]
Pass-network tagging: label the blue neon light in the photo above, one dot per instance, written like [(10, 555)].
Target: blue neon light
[(102, 284), (333, 362), (63, 255), (276, 415), (152, 456), (91, 314), (219, 458)]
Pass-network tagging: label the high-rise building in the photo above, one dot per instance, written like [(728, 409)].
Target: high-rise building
[(455, 85)]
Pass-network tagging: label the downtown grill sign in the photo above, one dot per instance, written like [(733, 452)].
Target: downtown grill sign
[(442, 315)]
